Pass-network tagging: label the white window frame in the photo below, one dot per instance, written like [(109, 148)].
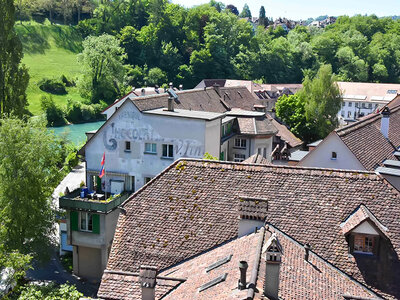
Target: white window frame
[(239, 157), (153, 148), (240, 143), (87, 215), (170, 152)]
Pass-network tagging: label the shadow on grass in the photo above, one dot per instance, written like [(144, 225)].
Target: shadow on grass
[(36, 38)]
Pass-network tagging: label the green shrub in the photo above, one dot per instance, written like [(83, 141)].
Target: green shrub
[(54, 114), (78, 112), (66, 81), (52, 86)]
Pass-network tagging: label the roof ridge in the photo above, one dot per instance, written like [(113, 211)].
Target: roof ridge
[(356, 125), (241, 164)]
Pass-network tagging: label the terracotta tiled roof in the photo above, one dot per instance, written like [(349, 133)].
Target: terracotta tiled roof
[(359, 216), (192, 207), (285, 134), (123, 286), (367, 143), (256, 159), (252, 126)]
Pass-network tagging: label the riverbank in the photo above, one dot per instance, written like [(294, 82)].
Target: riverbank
[(76, 132)]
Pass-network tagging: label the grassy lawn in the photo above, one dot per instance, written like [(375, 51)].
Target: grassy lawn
[(49, 51)]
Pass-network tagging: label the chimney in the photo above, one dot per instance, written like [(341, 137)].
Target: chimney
[(171, 85), (243, 269), (170, 103), (133, 89), (385, 122), (181, 87), (272, 253), (156, 89), (216, 88), (143, 92), (306, 251), (147, 279)]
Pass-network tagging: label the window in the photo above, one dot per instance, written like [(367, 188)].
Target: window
[(150, 148), (356, 104), (363, 105), (392, 92), (349, 114), (350, 104), (85, 221), (363, 243), (240, 143), (239, 157), (147, 179), (369, 105), (343, 104), (127, 146), (334, 155), (342, 113), (167, 150)]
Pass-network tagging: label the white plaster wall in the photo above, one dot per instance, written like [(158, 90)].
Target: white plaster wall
[(128, 124), (321, 155), (213, 137), (365, 228), (263, 143), (247, 226)]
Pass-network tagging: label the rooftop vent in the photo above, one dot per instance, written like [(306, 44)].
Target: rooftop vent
[(307, 249), (243, 269), (213, 282), (147, 277), (219, 263)]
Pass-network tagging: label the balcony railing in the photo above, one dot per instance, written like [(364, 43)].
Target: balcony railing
[(73, 201)]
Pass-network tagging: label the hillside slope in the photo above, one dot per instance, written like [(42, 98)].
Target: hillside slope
[(49, 51)]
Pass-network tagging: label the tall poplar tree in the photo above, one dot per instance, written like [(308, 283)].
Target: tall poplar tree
[(14, 77)]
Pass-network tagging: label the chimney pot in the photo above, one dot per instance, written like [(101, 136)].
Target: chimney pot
[(171, 85), (385, 122), (143, 91), (180, 87), (307, 248), (243, 269), (216, 88), (170, 104)]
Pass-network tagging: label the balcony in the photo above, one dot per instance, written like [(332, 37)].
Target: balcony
[(73, 201)]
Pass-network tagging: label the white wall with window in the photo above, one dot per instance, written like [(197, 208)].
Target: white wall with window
[(142, 144)]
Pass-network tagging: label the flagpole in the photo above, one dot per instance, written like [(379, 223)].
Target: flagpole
[(105, 179)]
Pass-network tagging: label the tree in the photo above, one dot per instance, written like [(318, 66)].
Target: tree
[(233, 9), (291, 110), (14, 77), (29, 172), (102, 67), (262, 19), (51, 291), (246, 13), (156, 76), (322, 100)]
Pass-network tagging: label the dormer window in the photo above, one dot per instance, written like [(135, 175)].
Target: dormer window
[(363, 231), (364, 243)]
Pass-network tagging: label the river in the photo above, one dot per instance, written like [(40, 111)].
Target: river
[(76, 132)]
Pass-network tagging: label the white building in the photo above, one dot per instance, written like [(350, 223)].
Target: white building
[(361, 98)]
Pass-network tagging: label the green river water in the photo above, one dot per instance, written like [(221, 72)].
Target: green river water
[(76, 132)]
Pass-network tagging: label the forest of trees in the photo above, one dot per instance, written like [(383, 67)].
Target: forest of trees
[(166, 42)]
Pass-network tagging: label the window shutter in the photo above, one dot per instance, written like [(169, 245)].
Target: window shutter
[(98, 183), (96, 223), (351, 243), (73, 217)]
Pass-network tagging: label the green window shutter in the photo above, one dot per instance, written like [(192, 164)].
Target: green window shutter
[(73, 217), (96, 223), (221, 156), (98, 184)]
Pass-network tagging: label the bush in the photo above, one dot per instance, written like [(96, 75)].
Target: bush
[(67, 83), (54, 114), (78, 112), (52, 86)]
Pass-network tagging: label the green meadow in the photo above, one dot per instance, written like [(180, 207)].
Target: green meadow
[(49, 52)]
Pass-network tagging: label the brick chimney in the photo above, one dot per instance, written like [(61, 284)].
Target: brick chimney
[(147, 279), (385, 122), (272, 253)]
